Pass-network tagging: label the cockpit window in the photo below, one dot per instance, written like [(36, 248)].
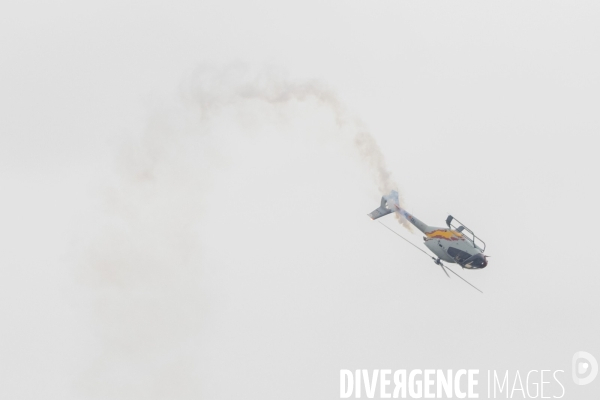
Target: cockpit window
[(458, 254)]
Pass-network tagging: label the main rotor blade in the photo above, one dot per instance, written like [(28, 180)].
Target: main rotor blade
[(403, 238), (444, 269), (474, 287)]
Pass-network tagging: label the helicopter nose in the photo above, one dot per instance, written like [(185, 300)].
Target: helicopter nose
[(477, 261), (485, 262)]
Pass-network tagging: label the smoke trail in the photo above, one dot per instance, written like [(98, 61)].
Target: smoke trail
[(212, 90), (145, 264), (235, 86)]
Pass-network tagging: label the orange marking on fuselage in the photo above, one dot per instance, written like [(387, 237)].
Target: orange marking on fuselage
[(444, 234)]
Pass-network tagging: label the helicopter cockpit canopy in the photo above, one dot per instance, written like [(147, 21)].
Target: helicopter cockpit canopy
[(468, 234)]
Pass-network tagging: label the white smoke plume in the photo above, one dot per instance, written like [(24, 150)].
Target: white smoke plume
[(212, 90), (145, 266)]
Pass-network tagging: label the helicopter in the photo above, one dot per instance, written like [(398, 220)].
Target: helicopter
[(454, 244)]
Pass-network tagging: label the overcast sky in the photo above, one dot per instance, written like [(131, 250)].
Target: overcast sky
[(183, 214)]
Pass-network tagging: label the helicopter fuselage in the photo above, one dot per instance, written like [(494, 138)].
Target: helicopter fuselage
[(458, 245), (455, 244), (452, 246)]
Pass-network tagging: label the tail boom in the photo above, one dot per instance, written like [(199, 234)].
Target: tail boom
[(390, 204)]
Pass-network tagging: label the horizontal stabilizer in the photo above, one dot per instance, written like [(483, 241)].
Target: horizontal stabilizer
[(380, 212), (383, 209)]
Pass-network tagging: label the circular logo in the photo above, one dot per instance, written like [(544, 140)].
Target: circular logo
[(585, 368)]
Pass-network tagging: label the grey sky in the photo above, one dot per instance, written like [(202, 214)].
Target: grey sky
[(153, 251)]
